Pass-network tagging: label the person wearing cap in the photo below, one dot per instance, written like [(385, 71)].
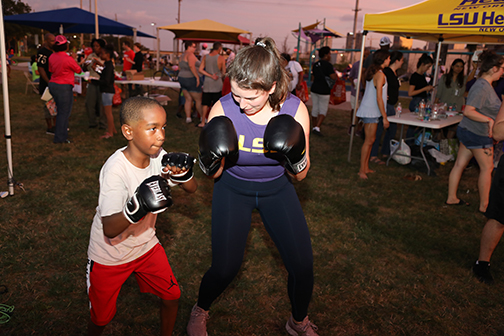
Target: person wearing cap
[(204, 51), (384, 45), (62, 68)]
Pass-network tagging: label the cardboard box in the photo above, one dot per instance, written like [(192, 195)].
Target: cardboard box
[(133, 75)]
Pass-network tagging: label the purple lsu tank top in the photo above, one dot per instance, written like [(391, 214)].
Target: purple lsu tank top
[(253, 163)]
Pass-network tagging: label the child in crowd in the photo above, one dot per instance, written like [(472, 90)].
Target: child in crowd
[(107, 88), (134, 187)]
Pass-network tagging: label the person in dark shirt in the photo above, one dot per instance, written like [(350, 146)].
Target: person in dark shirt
[(107, 88), (45, 76), (138, 60), (324, 78), (418, 90), (396, 62)]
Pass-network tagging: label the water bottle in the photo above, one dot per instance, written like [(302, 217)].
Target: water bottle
[(398, 110)]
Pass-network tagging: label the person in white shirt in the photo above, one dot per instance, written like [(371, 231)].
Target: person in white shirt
[(295, 72)]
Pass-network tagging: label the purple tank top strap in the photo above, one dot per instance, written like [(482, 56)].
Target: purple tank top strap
[(290, 106)]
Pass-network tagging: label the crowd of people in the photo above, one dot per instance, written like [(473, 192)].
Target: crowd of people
[(254, 142)]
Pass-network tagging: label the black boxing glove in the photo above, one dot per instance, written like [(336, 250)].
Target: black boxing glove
[(179, 160), (217, 140), (285, 135), (152, 195)]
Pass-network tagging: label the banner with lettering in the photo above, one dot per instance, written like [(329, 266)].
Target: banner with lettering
[(460, 21)]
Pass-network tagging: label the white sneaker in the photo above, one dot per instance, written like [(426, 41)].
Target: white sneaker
[(305, 328), (197, 322)]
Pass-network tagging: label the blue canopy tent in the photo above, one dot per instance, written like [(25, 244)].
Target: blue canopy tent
[(73, 20)]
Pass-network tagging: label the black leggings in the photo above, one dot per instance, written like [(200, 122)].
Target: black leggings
[(283, 218)]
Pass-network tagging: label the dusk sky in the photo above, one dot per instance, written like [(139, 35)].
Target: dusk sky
[(274, 18)]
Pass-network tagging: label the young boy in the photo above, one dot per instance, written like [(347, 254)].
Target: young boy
[(132, 192)]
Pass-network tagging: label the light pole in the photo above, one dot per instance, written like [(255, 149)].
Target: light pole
[(153, 24), (139, 38), (354, 33)]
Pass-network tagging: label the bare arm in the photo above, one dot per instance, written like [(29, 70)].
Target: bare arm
[(498, 128), (221, 62), (471, 113), (192, 65), (412, 92), (114, 224), (303, 118), (43, 75), (202, 70), (380, 80)]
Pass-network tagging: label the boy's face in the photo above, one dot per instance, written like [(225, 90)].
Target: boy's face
[(147, 135)]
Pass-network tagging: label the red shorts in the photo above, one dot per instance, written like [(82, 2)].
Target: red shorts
[(153, 274)]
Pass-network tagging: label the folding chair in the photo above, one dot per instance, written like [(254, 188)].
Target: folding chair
[(30, 82)]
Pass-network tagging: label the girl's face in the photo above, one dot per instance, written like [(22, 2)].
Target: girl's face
[(104, 56), (96, 48), (250, 101), (425, 67), (457, 68)]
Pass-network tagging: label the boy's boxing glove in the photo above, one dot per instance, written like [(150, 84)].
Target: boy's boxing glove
[(179, 160), (152, 195)]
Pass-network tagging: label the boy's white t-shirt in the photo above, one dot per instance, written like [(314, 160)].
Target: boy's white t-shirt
[(119, 179)]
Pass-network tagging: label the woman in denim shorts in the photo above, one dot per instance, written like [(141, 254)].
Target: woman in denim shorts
[(475, 130), (372, 107)]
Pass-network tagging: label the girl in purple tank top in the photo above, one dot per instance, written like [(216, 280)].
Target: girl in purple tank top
[(255, 143)]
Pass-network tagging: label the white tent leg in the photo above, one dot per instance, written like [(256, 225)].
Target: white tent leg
[(5, 90), (436, 71), (357, 91)]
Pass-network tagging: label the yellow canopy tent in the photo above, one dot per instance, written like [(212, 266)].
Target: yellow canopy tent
[(447, 21)]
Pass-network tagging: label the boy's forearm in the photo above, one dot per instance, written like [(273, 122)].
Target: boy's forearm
[(190, 186), (114, 225)]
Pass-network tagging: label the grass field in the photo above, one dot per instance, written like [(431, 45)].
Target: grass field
[(390, 257)]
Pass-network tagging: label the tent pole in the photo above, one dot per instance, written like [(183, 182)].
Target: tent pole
[(5, 90), (157, 49), (97, 33), (436, 71), (357, 91), (298, 42), (134, 35)]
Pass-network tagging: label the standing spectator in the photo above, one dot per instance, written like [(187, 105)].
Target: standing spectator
[(353, 77), (34, 69), (62, 67), (138, 66), (204, 50), (384, 45), (324, 78), (418, 86), (494, 227), (138, 59), (475, 130), (230, 58), (418, 89), (189, 80), (213, 66), (393, 85), (451, 88), (96, 117), (43, 55), (107, 88), (295, 72), (129, 56), (372, 107)]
